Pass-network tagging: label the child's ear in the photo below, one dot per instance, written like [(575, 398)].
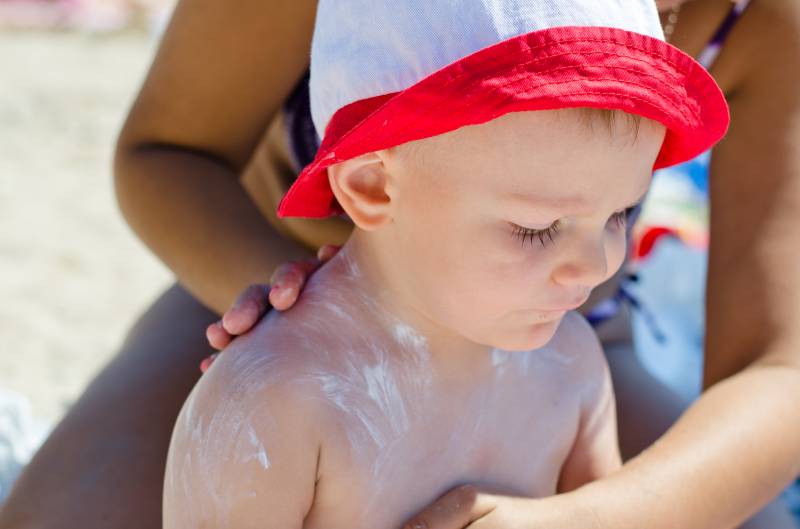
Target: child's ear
[(360, 186)]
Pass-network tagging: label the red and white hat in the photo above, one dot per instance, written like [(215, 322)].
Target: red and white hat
[(385, 72)]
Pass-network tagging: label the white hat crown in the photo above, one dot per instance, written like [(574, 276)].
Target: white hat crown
[(367, 48)]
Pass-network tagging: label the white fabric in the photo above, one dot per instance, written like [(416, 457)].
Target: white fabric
[(366, 48)]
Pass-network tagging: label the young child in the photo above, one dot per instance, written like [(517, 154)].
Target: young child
[(468, 143)]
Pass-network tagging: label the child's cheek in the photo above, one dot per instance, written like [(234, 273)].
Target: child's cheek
[(513, 275), (616, 249)]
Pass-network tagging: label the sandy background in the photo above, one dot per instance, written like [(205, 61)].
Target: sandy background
[(73, 277)]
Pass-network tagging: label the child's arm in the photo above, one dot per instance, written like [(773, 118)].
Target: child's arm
[(595, 453), (244, 452)]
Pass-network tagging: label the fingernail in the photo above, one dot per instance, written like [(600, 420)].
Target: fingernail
[(204, 365), (275, 293), (288, 292), (212, 329)]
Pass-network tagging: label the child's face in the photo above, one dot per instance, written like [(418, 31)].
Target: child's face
[(461, 200)]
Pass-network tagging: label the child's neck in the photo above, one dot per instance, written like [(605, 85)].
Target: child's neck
[(373, 292)]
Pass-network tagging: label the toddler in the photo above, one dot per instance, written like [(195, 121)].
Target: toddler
[(487, 153)]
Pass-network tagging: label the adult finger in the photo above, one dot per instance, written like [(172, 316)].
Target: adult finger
[(287, 281), (456, 509), (217, 336), (246, 310), (206, 363), (327, 251)]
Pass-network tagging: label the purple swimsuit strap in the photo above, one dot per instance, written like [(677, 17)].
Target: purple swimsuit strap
[(710, 53)]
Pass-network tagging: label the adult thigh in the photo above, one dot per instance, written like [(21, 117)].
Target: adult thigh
[(103, 464)]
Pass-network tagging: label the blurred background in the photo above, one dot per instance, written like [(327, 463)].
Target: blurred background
[(72, 275)]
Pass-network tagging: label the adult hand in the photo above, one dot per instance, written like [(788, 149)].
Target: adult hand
[(281, 293), (481, 508)]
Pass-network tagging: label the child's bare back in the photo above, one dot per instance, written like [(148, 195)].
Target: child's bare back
[(336, 415)]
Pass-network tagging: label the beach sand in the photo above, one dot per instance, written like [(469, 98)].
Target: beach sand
[(73, 277)]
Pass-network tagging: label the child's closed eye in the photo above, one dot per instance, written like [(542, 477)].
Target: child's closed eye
[(530, 234), (618, 219), (622, 217)]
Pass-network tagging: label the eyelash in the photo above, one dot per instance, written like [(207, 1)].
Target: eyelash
[(620, 217)]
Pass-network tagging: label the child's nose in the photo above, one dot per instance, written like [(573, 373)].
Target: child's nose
[(584, 265)]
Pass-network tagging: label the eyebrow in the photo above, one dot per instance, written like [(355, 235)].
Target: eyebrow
[(567, 202), (550, 203)]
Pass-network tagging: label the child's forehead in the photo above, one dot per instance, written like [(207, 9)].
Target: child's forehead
[(553, 154), (520, 137)]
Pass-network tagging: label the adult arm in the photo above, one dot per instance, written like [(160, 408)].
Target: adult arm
[(220, 75), (752, 362)]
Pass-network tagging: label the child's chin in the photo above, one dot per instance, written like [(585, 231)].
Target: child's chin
[(530, 337)]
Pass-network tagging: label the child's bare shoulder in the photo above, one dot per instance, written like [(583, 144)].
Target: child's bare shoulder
[(577, 343), (266, 367), (595, 451), (250, 426)]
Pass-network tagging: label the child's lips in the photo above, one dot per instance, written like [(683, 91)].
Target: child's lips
[(567, 307), (538, 316)]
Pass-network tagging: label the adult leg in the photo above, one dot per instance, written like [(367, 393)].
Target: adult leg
[(646, 408), (103, 465)]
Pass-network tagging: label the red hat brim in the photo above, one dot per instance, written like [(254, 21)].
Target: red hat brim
[(561, 67)]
